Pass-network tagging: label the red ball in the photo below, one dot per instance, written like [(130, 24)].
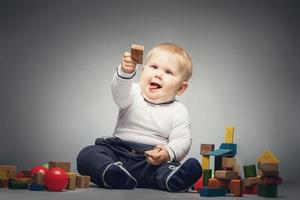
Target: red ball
[(56, 179), (39, 168)]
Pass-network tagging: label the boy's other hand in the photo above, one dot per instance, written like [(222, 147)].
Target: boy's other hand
[(128, 64), (158, 155)]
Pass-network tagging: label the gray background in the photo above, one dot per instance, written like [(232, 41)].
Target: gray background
[(58, 57)]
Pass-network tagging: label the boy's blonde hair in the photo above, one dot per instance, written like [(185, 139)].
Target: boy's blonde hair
[(184, 59)]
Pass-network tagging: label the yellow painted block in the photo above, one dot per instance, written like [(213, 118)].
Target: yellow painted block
[(267, 157), (3, 174), (229, 135), (205, 162), (71, 174)]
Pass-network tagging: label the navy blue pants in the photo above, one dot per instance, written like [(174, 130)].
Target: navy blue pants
[(92, 160)]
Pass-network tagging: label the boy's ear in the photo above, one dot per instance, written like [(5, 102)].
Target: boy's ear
[(182, 88)]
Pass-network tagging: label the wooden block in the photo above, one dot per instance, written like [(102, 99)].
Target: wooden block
[(205, 162), (10, 168), (3, 183), (229, 146), (236, 187), (268, 166), (251, 181), (205, 149), (3, 174), (270, 180), (267, 190), (249, 171), (229, 135), (212, 192), (24, 179), (218, 163), (16, 184), (71, 183), (268, 173), (213, 182), (137, 53), (38, 178), (227, 175), (63, 165), (251, 190), (237, 168), (228, 163), (267, 157), (71, 174), (206, 176), (36, 187), (11, 174), (82, 181)]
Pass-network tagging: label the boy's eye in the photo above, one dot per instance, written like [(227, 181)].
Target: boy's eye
[(169, 72), (154, 66)]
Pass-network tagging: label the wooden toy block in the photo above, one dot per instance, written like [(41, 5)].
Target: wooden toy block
[(228, 163), (205, 162), (218, 162), (268, 166), (249, 171), (198, 184), (137, 53), (38, 178), (230, 146), (251, 181), (63, 165), (11, 174), (206, 176), (71, 183), (221, 152), (236, 187), (267, 190), (205, 149), (3, 183), (24, 179), (82, 181), (229, 135), (268, 173), (251, 190), (24, 173), (16, 184), (36, 187), (3, 174), (212, 192), (237, 168), (225, 174), (213, 182), (270, 180), (10, 168), (267, 157)]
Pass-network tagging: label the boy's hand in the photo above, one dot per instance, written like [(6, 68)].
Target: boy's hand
[(158, 155), (128, 64)]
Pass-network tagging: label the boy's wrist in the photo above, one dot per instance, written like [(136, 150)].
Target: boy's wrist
[(171, 153), (123, 74)]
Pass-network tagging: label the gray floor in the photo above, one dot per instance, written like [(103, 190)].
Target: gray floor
[(285, 192)]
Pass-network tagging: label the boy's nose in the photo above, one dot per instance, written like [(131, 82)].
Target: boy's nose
[(158, 74)]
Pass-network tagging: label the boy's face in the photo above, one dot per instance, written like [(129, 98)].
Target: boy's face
[(161, 78)]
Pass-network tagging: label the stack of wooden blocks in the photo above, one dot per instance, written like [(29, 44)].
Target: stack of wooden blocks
[(9, 178), (226, 171)]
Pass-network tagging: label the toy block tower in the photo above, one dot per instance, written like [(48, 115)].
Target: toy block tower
[(226, 170), (268, 169), (7, 172)]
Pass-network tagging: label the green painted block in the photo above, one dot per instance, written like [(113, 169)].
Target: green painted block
[(212, 192), (17, 185), (267, 190), (206, 176), (249, 171)]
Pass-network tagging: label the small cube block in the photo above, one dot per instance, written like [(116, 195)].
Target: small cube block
[(206, 176), (228, 163), (267, 190), (63, 165), (249, 171), (236, 187), (206, 148), (213, 182), (251, 181), (38, 178)]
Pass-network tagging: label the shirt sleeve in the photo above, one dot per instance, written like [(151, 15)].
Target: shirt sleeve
[(180, 139), (121, 88)]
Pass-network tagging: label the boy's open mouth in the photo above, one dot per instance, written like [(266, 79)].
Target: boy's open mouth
[(154, 85)]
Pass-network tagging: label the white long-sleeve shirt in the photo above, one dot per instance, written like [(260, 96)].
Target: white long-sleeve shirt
[(143, 122)]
